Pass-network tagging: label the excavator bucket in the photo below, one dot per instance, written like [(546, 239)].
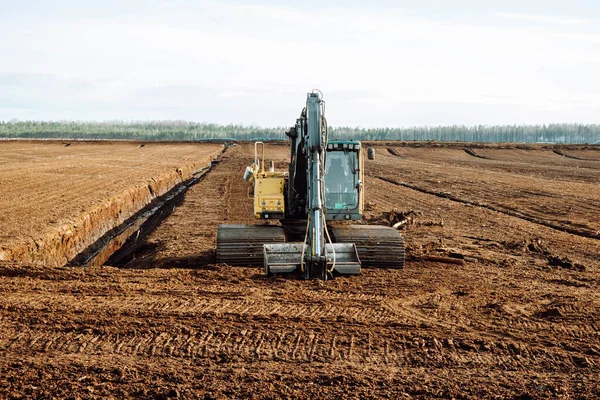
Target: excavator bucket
[(282, 258)]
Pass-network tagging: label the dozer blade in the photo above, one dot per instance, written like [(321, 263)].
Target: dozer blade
[(282, 258), (377, 246), (243, 244)]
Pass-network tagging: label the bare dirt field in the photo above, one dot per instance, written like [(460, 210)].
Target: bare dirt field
[(517, 315), (57, 197)]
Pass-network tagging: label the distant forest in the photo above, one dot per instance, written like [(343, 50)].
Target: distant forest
[(192, 131)]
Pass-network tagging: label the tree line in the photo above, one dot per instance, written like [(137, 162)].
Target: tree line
[(193, 131)]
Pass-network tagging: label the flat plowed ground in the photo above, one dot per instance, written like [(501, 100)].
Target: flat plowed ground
[(47, 186), (519, 318)]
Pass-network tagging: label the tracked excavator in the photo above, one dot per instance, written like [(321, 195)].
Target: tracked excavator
[(314, 203)]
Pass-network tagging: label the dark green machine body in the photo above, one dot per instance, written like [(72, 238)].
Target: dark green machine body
[(343, 180), (324, 185)]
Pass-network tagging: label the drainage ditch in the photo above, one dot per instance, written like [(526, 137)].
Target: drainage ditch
[(118, 245)]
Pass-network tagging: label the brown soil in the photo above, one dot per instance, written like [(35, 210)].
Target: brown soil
[(518, 318), (59, 197)]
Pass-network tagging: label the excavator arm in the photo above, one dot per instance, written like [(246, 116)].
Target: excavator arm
[(317, 256)]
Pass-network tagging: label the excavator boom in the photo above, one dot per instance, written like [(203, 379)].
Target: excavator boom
[(315, 258)]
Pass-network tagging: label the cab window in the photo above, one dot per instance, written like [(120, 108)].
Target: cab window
[(341, 190)]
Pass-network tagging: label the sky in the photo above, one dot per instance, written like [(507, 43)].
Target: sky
[(378, 63)]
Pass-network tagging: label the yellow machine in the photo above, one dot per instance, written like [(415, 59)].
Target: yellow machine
[(269, 187)]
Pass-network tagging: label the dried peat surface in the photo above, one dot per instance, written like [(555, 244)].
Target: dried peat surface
[(59, 197), (517, 317), (546, 191)]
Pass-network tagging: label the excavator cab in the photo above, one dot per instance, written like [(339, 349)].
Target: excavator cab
[(343, 181)]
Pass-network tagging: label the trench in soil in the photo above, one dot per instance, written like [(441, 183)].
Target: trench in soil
[(117, 246)]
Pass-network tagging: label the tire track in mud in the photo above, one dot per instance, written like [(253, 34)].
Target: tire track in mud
[(390, 348), (399, 334), (356, 309), (544, 328), (509, 212), (355, 312), (239, 203)]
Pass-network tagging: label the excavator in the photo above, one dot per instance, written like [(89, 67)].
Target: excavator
[(308, 210)]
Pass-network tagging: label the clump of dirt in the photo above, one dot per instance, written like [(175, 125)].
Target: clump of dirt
[(549, 313), (369, 206), (510, 245), (471, 152), (395, 218), (437, 252), (536, 246), (394, 152), (564, 262), (494, 308)]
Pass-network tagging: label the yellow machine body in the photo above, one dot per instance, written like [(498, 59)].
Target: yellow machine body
[(269, 201), (269, 187)]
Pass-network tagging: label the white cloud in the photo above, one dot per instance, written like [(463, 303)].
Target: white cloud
[(559, 20), (215, 61)]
